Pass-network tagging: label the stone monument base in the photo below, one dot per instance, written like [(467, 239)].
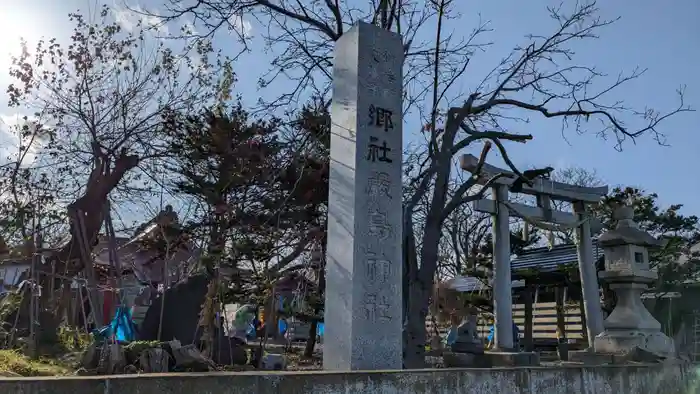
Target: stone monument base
[(490, 359), (589, 357), (623, 341), (465, 360), (635, 355)]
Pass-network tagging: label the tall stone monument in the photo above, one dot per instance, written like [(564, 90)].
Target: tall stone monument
[(363, 309)]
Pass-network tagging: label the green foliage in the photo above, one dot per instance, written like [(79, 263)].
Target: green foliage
[(675, 261), (9, 303), (137, 347), (14, 362), (482, 264), (73, 338), (262, 185)]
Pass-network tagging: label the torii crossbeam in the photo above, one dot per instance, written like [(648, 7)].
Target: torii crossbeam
[(545, 190)]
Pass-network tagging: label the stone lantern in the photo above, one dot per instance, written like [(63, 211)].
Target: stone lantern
[(627, 271)]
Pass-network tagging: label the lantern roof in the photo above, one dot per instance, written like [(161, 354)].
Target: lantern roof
[(627, 231)]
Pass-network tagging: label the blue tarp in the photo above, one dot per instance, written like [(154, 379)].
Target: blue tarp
[(121, 328), (451, 336), (516, 333)]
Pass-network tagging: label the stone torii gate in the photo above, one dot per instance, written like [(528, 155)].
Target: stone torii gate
[(545, 191)]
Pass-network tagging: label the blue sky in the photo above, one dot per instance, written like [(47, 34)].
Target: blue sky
[(662, 38)]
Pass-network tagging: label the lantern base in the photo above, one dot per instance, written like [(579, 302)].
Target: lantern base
[(624, 341)]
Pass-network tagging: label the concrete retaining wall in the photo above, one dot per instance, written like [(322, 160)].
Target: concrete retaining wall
[(661, 379)]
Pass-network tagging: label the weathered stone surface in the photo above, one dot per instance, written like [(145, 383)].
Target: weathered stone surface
[(468, 340), (183, 303), (623, 342), (634, 355), (467, 347), (154, 361), (363, 321), (91, 356), (274, 362), (112, 359), (627, 231), (188, 357), (491, 359), (640, 379), (588, 357), (513, 359), (640, 355), (465, 360), (630, 326)]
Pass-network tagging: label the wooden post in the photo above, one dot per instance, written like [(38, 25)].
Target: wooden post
[(114, 257), (271, 323), (33, 342), (562, 342), (52, 288), (582, 309), (527, 298)]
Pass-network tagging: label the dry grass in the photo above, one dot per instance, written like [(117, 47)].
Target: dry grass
[(13, 363)]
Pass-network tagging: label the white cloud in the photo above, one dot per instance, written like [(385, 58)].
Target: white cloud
[(131, 17), (125, 18), (242, 26)]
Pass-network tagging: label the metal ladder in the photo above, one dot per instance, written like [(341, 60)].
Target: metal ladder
[(696, 336)]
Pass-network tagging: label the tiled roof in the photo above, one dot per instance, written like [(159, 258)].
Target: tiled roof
[(545, 259), (467, 284)]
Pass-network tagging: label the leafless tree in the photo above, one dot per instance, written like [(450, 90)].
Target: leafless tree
[(99, 101), (574, 176), (25, 189), (301, 36), (465, 231), (540, 78), (564, 92)]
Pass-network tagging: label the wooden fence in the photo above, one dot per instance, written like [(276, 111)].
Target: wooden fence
[(544, 318)]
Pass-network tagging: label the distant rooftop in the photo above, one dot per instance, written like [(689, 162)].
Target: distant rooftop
[(545, 259)]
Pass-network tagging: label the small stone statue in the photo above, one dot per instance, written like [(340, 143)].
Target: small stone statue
[(467, 339)]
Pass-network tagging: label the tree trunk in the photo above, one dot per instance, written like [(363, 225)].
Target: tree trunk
[(313, 329), (420, 287), (272, 317), (410, 266), (415, 334), (104, 178), (207, 316), (67, 261), (421, 280), (311, 340)]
